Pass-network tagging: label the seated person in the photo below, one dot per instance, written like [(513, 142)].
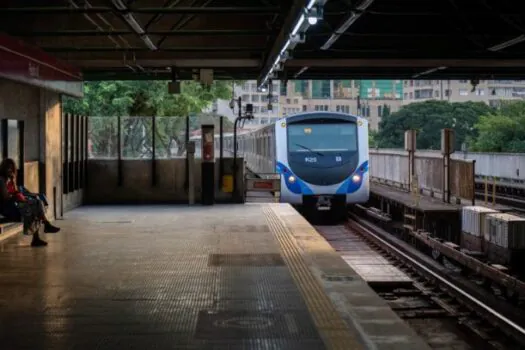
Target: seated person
[(16, 206)]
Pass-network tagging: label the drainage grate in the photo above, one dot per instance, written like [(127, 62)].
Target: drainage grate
[(337, 278), (245, 260), (242, 324)]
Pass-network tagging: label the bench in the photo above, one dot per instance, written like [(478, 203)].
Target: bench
[(9, 228)]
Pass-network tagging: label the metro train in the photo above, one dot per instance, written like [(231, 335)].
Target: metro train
[(322, 158)]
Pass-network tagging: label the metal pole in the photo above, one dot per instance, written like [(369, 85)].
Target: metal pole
[(153, 152), (486, 190), (448, 178), (221, 161), (494, 191), (187, 139), (119, 150), (234, 193), (190, 151)]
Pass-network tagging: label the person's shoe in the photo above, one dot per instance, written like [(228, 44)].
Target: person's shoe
[(38, 243), (48, 228)]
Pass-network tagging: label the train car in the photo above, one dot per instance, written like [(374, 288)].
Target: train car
[(322, 158)]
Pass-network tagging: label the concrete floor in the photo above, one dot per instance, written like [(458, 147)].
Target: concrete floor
[(177, 277)]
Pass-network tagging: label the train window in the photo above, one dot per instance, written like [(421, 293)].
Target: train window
[(322, 137)]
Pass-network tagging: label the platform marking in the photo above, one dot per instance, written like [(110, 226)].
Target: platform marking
[(329, 322)]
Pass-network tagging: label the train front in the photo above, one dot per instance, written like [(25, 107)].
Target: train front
[(323, 160)]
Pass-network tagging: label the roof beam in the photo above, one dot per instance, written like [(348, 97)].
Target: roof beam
[(181, 32), (49, 10), (169, 62), (406, 63), (141, 49)]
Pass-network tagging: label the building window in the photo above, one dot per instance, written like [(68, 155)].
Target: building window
[(480, 92), (245, 98), (304, 108), (379, 111), (255, 98), (301, 87), (295, 101), (436, 93), (321, 89), (463, 92), (447, 93), (283, 91)]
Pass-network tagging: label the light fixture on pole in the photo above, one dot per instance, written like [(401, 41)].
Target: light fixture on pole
[(314, 14)]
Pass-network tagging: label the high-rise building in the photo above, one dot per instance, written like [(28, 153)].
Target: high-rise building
[(491, 92), (367, 98)]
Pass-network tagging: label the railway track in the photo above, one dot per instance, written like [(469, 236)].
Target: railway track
[(439, 304)]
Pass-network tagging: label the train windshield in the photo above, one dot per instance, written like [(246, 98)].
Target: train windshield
[(336, 137)]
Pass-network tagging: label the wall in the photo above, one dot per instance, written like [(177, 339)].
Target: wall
[(41, 112), (391, 167), (102, 181)]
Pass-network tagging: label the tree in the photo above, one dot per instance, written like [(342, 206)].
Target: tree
[(502, 130), (428, 118), (142, 99)]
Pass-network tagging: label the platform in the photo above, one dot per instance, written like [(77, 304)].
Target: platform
[(254, 276), (369, 264), (426, 203)]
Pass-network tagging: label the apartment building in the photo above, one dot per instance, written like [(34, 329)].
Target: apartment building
[(367, 98), (491, 92)]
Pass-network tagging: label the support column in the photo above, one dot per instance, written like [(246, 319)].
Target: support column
[(208, 164)]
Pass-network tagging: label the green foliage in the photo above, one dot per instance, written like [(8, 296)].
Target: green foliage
[(106, 99), (502, 130), (428, 118), (372, 139)]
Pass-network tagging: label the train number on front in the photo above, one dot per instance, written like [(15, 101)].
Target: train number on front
[(310, 159)]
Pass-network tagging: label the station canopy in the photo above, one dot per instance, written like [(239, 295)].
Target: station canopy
[(276, 39)]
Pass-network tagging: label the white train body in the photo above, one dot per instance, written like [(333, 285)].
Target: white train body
[(322, 157)]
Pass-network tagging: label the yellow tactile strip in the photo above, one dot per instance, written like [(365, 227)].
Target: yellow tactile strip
[(331, 326)]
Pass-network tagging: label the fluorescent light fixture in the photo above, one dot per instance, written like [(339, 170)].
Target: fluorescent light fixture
[(119, 4), (149, 43), (285, 47), (277, 60), (430, 71), (298, 25), (346, 24), (134, 24), (310, 4), (508, 43)]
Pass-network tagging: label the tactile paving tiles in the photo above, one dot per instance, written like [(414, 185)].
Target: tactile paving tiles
[(371, 266), (141, 278)]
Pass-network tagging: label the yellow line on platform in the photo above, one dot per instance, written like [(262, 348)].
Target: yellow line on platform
[(331, 326)]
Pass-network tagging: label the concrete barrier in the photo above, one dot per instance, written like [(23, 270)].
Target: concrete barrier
[(171, 186)]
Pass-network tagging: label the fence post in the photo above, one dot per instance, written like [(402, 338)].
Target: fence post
[(153, 152), (410, 146), (190, 152), (474, 182), (119, 151)]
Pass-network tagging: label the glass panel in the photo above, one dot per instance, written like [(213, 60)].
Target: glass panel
[(103, 138), (170, 137), (136, 138)]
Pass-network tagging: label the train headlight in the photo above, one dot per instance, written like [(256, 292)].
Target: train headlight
[(356, 178), (291, 179)]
